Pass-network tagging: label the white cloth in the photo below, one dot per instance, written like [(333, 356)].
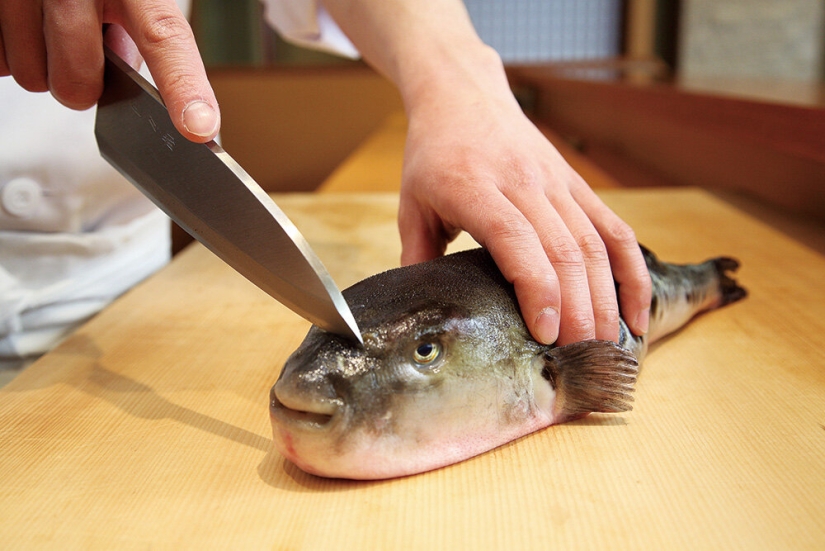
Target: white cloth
[(74, 234), (307, 23)]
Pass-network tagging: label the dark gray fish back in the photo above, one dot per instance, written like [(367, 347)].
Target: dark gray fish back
[(469, 280)]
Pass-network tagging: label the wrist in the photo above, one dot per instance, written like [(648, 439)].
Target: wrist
[(454, 75)]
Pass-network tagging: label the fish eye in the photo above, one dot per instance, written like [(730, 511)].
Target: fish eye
[(426, 353)]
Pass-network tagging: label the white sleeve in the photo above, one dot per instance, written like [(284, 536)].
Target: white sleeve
[(307, 23), (74, 234)]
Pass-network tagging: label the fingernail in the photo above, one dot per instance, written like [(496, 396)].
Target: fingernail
[(643, 321), (547, 325), (200, 119)]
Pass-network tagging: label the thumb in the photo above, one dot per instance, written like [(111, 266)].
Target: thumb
[(420, 240)]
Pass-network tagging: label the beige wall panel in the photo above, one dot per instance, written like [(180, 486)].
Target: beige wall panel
[(753, 38), (290, 128)]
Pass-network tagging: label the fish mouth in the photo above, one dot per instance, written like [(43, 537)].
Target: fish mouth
[(311, 415)]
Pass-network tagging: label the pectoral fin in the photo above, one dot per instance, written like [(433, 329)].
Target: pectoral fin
[(590, 376)]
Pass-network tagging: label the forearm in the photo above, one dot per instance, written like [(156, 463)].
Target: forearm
[(425, 47)]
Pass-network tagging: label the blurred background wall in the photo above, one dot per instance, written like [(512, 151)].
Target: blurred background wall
[(530, 31), (290, 115), (752, 38)]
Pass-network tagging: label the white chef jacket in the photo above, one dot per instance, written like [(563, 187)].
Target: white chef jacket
[(307, 23), (74, 234)]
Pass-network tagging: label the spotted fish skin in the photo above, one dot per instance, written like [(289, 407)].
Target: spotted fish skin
[(680, 291), (448, 369)]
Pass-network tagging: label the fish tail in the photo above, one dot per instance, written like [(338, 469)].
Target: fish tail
[(729, 289), (681, 291)]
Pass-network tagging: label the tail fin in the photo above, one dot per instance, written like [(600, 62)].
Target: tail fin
[(680, 291), (729, 288)]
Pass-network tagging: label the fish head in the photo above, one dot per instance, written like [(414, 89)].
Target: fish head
[(446, 372)]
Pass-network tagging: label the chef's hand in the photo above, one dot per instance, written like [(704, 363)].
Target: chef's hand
[(57, 46), (475, 162)]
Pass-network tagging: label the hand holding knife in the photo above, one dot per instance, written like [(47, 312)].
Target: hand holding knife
[(210, 196)]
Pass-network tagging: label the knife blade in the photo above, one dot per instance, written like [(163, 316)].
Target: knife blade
[(210, 196)]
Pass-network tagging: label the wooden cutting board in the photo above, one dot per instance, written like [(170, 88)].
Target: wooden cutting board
[(148, 428)]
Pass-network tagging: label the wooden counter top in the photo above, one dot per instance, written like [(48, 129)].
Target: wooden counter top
[(148, 428)]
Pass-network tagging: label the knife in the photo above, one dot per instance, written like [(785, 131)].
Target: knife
[(210, 196)]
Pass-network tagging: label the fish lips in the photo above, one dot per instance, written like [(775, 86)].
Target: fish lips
[(305, 395), (307, 415)]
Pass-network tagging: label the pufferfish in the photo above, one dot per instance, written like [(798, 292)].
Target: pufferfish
[(448, 369)]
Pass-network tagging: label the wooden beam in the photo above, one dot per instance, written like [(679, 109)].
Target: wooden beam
[(772, 150), (640, 29)]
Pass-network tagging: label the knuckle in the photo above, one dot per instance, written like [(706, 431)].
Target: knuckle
[(564, 252), (76, 94), (507, 227), (643, 281), (581, 323), (592, 246), (607, 314), (620, 232), (30, 74), (165, 28), (180, 80), (31, 82), (522, 178), (639, 295)]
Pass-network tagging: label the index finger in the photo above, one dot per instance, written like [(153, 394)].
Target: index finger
[(629, 268), (498, 225), (165, 40)]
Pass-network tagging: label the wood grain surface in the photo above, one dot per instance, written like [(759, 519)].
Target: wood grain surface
[(149, 428)]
